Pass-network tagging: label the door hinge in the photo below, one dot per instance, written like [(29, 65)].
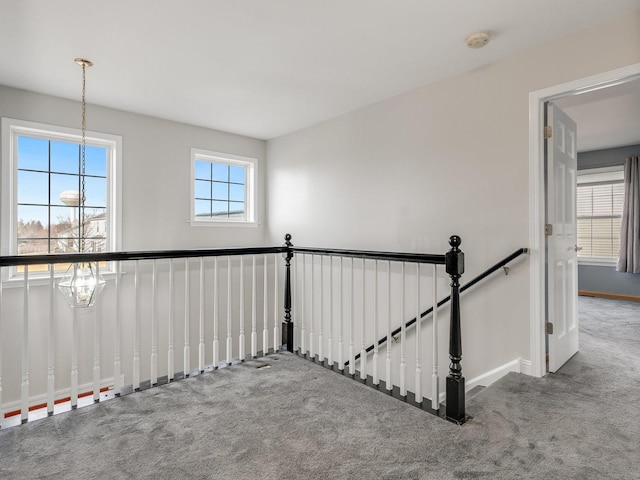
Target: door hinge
[(548, 131), (548, 229), (548, 328)]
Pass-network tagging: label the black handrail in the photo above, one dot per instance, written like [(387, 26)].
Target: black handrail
[(466, 286), (374, 255), (14, 260)]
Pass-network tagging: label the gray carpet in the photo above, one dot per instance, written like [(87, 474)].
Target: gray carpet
[(298, 420)]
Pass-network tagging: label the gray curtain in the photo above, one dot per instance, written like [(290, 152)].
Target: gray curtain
[(629, 260)]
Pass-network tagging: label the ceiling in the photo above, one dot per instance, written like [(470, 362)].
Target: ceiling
[(264, 68), (607, 117)]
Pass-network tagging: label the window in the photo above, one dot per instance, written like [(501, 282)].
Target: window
[(41, 185), (223, 188), (600, 198)]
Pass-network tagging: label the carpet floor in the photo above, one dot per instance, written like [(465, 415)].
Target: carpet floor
[(297, 420)]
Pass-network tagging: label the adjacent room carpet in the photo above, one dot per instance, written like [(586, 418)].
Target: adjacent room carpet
[(297, 420)]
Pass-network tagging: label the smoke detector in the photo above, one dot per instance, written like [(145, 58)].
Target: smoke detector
[(478, 39)]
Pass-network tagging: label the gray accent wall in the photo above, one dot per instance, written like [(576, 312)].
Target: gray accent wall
[(608, 157), (604, 278)]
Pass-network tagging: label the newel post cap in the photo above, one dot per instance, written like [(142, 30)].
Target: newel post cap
[(454, 258)]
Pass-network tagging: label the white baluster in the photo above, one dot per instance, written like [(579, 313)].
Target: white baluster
[(117, 366), (276, 331), (51, 384), (216, 340), (254, 313), (320, 336), (418, 341), (241, 337), (74, 351), (1, 339), (389, 338), (24, 390), (295, 313), (363, 345), (340, 319), (265, 307), (171, 356), (403, 355), (303, 313), (229, 337), (330, 340), (187, 315), (201, 346), (97, 342), (313, 307), (136, 328), (376, 379), (435, 384), (154, 324), (352, 355)]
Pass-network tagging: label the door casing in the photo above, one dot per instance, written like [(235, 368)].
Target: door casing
[(537, 200)]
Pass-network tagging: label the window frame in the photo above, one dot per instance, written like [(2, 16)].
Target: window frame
[(598, 261), (251, 189), (13, 128)]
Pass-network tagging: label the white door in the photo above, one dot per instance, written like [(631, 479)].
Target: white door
[(562, 261)]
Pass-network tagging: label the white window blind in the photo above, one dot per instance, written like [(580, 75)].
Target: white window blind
[(600, 198)]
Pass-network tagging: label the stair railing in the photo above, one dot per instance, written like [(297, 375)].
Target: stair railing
[(453, 260), (162, 316), (137, 317), (494, 268)]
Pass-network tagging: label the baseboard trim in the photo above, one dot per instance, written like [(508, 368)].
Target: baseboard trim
[(609, 295), (518, 365), (40, 401), (494, 375), (526, 367)]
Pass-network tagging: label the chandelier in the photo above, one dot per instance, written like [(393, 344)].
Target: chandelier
[(82, 282)]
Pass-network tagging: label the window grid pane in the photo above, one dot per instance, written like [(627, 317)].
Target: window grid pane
[(222, 187), (48, 221)]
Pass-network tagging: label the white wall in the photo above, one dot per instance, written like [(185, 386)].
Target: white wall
[(155, 169), (156, 208), (448, 158)]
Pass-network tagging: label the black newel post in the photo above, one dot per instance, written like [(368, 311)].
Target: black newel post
[(454, 262), (287, 324)]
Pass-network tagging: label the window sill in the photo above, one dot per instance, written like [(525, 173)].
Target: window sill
[(206, 223), (17, 281), (598, 262)]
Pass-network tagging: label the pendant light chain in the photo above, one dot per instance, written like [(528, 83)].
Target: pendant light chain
[(84, 63)]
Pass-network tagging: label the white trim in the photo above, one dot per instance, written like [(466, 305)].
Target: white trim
[(494, 375), (614, 173), (537, 100), (525, 366), (58, 394), (11, 128), (603, 175), (597, 262), (226, 223), (251, 189), (518, 365)]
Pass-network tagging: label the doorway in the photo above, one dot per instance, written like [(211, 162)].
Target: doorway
[(538, 202)]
